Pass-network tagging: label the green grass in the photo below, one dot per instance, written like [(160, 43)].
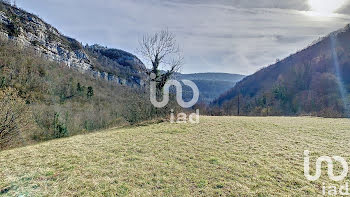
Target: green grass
[(229, 156)]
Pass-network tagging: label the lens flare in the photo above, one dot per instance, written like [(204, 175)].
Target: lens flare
[(342, 89), (326, 7)]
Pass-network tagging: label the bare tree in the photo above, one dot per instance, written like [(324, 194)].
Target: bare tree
[(162, 51)]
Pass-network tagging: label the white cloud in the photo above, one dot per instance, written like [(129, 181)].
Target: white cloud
[(220, 36)]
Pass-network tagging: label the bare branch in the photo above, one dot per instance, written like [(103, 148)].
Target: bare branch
[(161, 50)]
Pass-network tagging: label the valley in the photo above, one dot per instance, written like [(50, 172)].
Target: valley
[(210, 85), (83, 119)]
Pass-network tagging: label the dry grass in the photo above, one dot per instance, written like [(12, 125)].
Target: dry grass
[(230, 156)]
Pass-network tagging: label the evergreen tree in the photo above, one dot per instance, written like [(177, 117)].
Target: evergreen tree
[(90, 92)]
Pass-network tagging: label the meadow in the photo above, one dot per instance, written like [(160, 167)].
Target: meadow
[(221, 156)]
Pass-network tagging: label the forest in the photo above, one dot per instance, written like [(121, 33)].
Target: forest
[(311, 82)]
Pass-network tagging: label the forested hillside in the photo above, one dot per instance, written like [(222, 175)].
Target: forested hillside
[(42, 100), (313, 81), (51, 86)]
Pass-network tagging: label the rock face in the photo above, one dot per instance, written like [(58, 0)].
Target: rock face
[(113, 65)]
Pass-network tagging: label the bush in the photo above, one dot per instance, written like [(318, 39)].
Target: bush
[(15, 118)]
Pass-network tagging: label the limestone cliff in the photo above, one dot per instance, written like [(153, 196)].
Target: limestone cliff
[(113, 65)]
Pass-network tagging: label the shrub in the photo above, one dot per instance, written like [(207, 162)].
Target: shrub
[(90, 92), (14, 117)]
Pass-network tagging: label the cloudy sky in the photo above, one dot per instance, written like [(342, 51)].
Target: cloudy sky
[(234, 36)]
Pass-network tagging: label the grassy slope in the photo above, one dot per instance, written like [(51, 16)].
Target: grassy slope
[(238, 156)]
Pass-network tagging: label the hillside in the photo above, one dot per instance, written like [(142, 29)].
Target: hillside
[(210, 85), (42, 100), (222, 156), (113, 65), (313, 81), (53, 87)]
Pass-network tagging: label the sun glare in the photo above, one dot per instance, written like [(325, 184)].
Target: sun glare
[(326, 7)]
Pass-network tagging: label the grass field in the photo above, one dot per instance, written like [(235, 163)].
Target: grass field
[(228, 156)]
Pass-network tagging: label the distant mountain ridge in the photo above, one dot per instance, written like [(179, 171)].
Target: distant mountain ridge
[(212, 76), (313, 81), (113, 65), (210, 85)]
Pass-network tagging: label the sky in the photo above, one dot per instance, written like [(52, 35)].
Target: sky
[(233, 36)]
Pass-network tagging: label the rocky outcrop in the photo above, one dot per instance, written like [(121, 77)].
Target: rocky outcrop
[(29, 30)]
